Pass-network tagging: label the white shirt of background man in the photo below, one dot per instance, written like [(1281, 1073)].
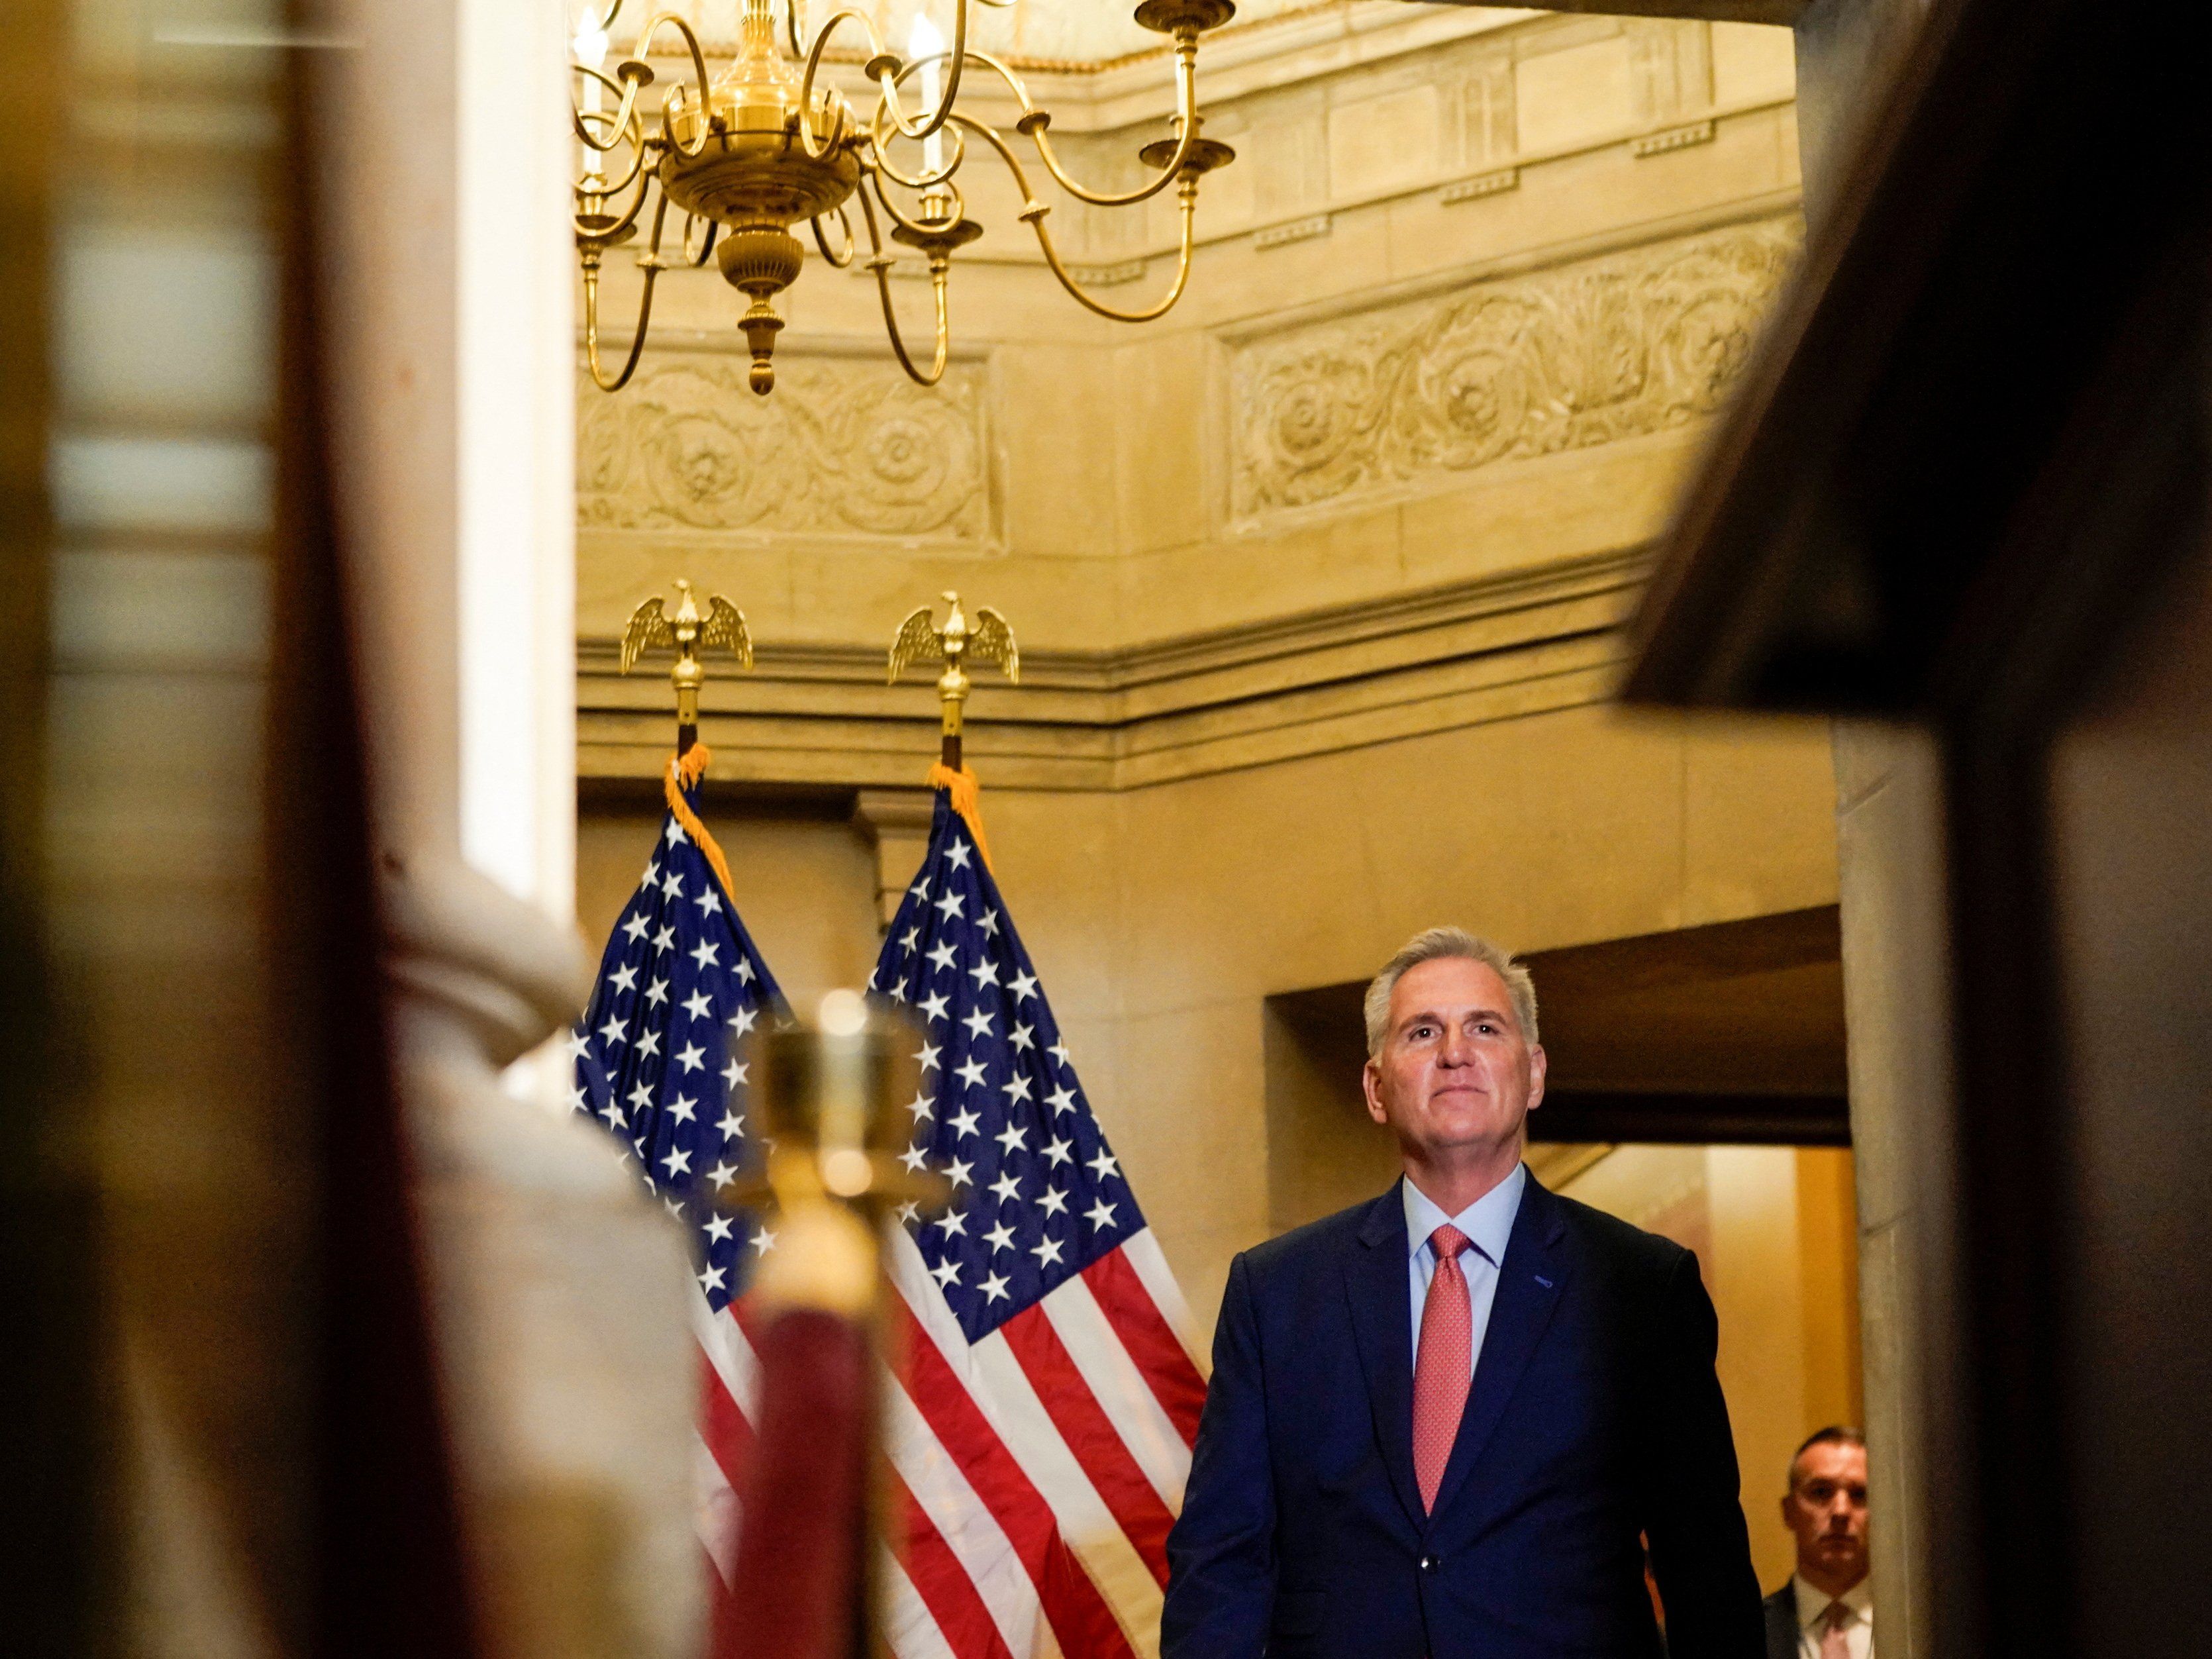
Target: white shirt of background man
[(1858, 1629)]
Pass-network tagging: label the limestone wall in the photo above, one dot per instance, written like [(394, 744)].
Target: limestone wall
[(1457, 310), (1317, 581)]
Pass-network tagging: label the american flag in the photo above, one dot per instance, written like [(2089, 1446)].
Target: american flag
[(660, 1063), (1040, 1435)]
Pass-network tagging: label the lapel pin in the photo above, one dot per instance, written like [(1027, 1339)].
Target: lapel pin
[(1545, 1282)]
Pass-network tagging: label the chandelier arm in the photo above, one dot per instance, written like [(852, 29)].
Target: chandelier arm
[(606, 235), (1000, 67), (653, 269), (880, 265), (844, 223), (813, 57), (956, 61), (713, 230), (1033, 215), (997, 140), (615, 186), (618, 122), (649, 262), (920, 181), (1186, 136), (709, 119), (955, 204), (1166, 302), (1187, 125), (887, 111)]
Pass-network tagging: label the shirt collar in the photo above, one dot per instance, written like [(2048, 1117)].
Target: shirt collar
[(1812, 1603), (1487, 1223)]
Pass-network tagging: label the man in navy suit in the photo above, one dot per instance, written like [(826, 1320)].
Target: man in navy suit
[(1442, 1424)]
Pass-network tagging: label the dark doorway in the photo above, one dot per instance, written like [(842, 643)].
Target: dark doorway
[(1729, 1034)]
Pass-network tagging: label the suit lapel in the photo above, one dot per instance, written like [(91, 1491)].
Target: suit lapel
[(1375, 1282), (1530, 1282)]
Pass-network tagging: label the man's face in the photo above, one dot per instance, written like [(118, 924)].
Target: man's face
[(1455, 1071), (1826, 1508)]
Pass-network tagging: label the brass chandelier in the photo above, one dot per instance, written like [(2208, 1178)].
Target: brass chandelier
[(748, 154)]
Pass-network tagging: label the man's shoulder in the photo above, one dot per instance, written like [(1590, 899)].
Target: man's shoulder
[(1621, 1244), (1316, 1241), (1781, 1611), (1618, 1242)]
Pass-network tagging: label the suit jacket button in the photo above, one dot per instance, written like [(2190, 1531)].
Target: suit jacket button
[(1428, 1563)]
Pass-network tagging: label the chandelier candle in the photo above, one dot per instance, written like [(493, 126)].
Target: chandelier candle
[(747, 154), (590, 49), (926, 46)]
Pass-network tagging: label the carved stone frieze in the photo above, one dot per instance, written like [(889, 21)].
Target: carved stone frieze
[(1580, 355), (845, 447)]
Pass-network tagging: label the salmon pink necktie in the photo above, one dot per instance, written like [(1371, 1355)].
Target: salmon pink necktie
[(1444, 1365), (1835, 1644)]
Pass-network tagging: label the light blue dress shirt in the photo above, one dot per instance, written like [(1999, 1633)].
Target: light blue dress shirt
[(1487, 1224)]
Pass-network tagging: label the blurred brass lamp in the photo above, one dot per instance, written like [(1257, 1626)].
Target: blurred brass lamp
[(748, 154), (815, 1498)]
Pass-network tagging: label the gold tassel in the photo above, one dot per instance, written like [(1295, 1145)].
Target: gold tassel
[(684, 771), (967, 800)]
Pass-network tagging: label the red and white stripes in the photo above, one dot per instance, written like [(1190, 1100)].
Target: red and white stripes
[(1036, 1474), (729, 1391)]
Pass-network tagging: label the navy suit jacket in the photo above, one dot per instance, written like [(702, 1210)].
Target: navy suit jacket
[(1782, 1622), (1594, 1417)]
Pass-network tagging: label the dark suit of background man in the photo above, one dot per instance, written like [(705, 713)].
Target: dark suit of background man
[(1826, 1609), (1354, 1496)]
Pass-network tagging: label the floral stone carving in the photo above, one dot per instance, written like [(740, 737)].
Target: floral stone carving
[(1581, 354), (846, 447)]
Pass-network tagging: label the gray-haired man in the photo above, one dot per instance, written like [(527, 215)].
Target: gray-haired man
[(1441, 1423)]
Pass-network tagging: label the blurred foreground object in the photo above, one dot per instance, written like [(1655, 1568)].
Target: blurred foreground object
[(807, 1583), (1965, 491), (314, 1362), (569, 1373), (244, 1449)]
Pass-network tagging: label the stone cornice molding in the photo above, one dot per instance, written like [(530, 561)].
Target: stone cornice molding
[(1777, 208), (1243, 61), (1363, 31), (1497, 646), (1783, 13), (1271, 52)]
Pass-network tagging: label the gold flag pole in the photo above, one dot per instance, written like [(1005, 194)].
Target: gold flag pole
[(652, 629), (988, 641)]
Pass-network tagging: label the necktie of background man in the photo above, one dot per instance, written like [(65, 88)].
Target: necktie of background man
[(1834, 1644)]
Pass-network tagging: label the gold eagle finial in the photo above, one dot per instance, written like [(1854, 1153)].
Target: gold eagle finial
[(987, 639), (652, 629)]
